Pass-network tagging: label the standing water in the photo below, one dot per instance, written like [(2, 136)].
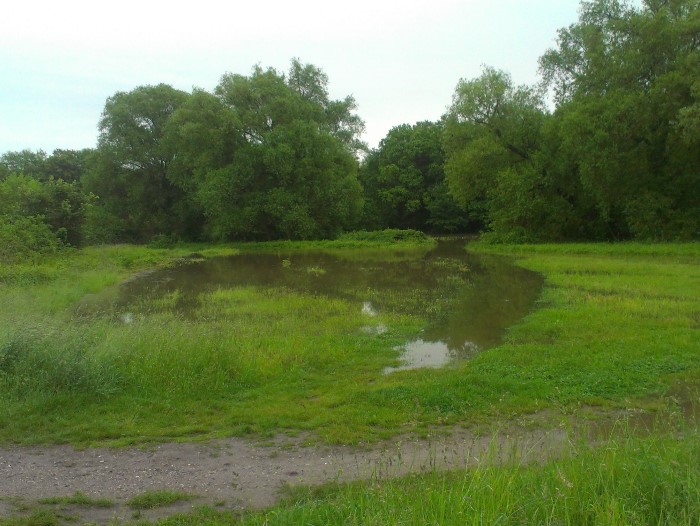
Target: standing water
[(467, 301)]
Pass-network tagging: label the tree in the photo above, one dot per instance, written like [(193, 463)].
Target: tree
[(623, 77), (491, 125), (493, 135), (404, 182), (58, 205), (269, 156), (66, 165), (24, 162), (129, 173)]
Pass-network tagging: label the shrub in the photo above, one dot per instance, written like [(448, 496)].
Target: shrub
[(25, 238)]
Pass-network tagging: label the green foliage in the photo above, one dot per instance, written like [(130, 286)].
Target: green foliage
[(22, 196), (23, 162), (267, 156), (618, 158), (25, 239), (404, 182), (101, 226), (157, 499), (67, 165), (288, 172), (492, 139), (40, 193), (129, 170), (36, 218), (387, 237), (623, 77)]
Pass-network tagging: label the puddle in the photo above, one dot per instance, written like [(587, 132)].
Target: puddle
[(681, 409), (375, 329), (368, 309), (467, 301), (434, 354)]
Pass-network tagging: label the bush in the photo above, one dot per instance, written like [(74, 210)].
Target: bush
[(101, 227), (25, 238), (386, 236)]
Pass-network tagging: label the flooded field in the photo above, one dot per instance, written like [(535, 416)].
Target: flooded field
[(467, 301)]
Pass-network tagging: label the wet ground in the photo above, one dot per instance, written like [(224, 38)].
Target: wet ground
[(467, 300)]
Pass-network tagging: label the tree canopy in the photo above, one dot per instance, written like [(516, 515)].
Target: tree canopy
[(607, 147), (618, 157), (269, 156), (404, 182)]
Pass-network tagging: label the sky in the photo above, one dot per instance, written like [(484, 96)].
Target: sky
[(400, 59)]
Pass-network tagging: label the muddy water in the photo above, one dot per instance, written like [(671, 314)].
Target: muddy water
[(467, 300)]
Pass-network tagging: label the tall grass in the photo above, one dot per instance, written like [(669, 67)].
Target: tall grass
[(626, 480)]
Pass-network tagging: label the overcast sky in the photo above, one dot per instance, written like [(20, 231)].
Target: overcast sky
[(400, 59)]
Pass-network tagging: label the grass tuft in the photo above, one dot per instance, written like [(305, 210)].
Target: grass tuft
[(78, 499), (623, 481), (157, 499)]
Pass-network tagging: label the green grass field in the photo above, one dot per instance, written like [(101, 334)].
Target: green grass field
[(616, 325)]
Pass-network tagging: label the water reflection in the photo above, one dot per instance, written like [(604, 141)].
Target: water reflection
[(467, 300)]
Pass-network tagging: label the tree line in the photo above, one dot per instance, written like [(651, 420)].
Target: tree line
[(269, 155)]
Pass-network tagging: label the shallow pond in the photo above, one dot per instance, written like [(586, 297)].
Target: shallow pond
[(467, 301)]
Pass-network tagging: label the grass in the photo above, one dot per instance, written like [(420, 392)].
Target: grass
[(615, 327), (78, 499), (158, 499), (39, 517), (393, 239), (626, 480), (51, 511)]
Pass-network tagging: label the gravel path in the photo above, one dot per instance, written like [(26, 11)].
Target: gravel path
[(240, 472)]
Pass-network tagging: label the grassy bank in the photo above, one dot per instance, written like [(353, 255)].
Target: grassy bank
[(616, 325), (626, 481)]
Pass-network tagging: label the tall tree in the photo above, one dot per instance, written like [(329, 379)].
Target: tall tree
[(493, 132), (276, 157), (624, 78), (491, 125), (130, 171), (404, 182)]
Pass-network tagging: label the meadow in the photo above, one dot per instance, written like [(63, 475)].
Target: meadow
[(615, 330)]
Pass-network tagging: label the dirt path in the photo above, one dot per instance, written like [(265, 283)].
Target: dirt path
[(238, 472)]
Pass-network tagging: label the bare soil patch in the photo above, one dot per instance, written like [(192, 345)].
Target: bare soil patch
[(239, 473)]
